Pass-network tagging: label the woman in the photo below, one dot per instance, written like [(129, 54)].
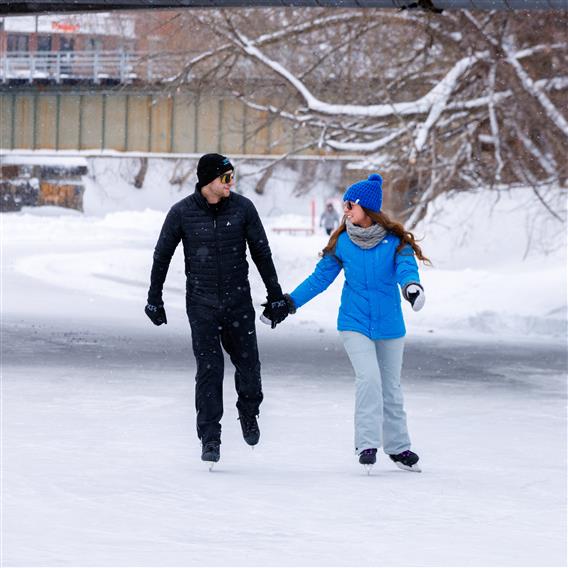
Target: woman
[(377, 255)]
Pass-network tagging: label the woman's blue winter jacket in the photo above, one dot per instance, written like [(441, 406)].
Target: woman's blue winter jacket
[(370, 301)]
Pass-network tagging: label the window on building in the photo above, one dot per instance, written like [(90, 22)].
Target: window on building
[(18, 42), (44, 43), (66, 44), (94, 44)]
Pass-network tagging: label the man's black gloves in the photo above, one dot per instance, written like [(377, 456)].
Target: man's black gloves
[(156, 313), (414, 293), (277, 310)]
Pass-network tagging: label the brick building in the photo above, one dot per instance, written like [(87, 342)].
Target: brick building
[(67, 33)]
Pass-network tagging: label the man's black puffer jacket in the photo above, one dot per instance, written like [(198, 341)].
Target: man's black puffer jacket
[(214, 241)]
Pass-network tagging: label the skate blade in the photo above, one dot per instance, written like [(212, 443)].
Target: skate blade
[(368, 468), (413, 468), (211, 466)]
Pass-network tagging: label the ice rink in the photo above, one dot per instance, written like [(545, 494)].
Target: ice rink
[(101, 463)]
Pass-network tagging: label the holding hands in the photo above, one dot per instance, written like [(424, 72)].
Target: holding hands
[(277, 310)]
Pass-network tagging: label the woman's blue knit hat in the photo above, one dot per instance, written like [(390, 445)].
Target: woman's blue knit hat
[(367, 193)]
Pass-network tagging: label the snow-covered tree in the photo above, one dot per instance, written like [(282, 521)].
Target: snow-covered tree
[(440, 102)]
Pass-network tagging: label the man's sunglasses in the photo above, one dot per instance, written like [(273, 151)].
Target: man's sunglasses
[(227, 178)]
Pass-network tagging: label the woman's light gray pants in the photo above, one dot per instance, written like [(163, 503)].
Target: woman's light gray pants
[(380, 419)]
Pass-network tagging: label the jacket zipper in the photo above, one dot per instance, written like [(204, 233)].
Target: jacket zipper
[(217, 258)]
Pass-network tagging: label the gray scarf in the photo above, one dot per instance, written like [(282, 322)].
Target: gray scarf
[(365, 238)]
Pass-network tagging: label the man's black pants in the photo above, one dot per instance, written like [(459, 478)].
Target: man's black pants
[(234, 329)]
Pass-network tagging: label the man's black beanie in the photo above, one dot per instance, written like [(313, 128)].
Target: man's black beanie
[(211, 166)]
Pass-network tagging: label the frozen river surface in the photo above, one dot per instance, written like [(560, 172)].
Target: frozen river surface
[(101, 463)]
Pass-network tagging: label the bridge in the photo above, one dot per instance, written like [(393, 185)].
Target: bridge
[(75, 117), (47, 6), (97, 67)]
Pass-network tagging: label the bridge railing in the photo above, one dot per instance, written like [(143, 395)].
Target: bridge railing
[(93, 66)]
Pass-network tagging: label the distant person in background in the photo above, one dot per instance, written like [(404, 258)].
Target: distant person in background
[(377, 256), (329, 219), (215, 226)]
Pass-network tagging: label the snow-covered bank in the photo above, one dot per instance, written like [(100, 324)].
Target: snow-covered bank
[(109, 185), (499, 263), (499, 266)]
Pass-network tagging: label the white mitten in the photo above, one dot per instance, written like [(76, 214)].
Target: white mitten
[(265, 320), (414, 293)]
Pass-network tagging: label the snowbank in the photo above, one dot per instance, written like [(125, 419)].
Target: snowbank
[(109, 185), (499, 263), (499, 258)]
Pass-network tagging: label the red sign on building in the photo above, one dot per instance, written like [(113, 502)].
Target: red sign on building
[(66, 27)]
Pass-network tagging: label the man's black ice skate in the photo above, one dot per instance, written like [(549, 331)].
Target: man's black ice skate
[(211, 452), (406, 460), (249, 425), (368, 458)]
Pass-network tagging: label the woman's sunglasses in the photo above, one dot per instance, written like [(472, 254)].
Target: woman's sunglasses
[(348, 205), (227, 178)]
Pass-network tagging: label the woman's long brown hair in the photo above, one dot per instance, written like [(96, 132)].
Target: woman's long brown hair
[(394, 227)]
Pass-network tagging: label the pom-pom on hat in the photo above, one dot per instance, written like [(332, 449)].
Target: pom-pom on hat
[(211, 166), (367, 193)]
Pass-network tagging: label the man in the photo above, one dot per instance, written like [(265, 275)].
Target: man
[(215, 225), (329, 219)]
